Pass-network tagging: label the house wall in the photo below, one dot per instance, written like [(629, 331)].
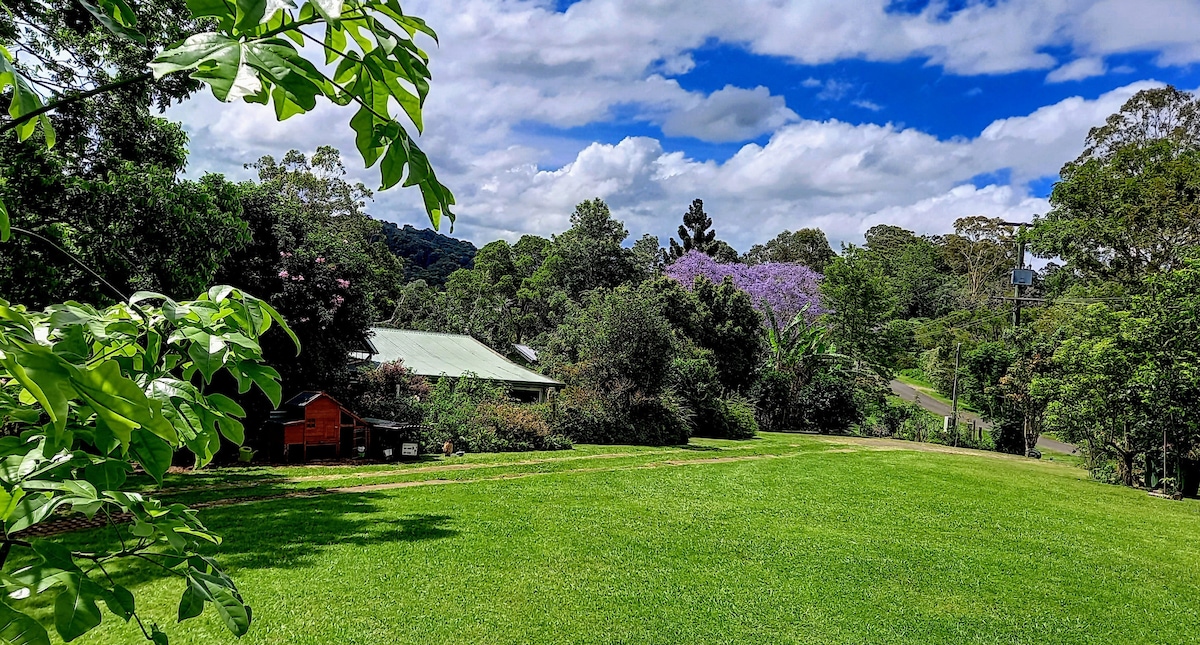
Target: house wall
[(323, 422)]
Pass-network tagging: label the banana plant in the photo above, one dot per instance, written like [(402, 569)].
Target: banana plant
[(798, 346)]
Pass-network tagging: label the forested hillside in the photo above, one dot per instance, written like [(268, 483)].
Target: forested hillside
[(427, 254)]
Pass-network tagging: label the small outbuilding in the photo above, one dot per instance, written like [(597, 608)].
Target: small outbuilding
[(433, 355), (317, 420)]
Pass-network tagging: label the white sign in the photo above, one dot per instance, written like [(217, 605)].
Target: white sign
[(408, 450)]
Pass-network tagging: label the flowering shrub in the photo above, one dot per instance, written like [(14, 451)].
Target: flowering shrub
[(390, 391), (785, 288), (478, 416), (506, 426)]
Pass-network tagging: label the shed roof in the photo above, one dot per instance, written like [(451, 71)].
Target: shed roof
[(303, 399), (434, 354), (526, 352)]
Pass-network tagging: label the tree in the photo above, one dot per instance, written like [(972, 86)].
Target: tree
[(694, 232), (84, 394), (861, 305), (320, 258), (1093, 398), (983, 250), (1157, 114), (1129, 205), (916, 267), (138, 225), (786, 288), (695, 235), (730, 328), (591, 252), (616, 354), (1164, 326), (244, 57), (807, 246), (648, 255), (89, 393)]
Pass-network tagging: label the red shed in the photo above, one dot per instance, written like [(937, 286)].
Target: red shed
[(313, 419)]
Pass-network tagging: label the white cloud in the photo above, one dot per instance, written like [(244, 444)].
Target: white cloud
[(839, 176), (730, 114), (510, 75), (867, 105), (832, 89), (1077, 70)]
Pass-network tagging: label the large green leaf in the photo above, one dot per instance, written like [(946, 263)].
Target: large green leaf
[(45, 375), (151, 452), (109, 474), (192, 602), (31, 509), (119, 403), (119, 601), (330, 10), (75, 609), (9, 501), (267, 380), (17, 628), (230, 607), (116, 16)]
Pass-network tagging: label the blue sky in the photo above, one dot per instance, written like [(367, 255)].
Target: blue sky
[(779, 115)]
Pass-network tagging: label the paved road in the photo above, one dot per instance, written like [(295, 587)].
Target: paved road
[(909, 393)]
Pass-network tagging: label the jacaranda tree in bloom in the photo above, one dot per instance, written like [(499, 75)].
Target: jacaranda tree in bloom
[(787, 289), (87, 396)]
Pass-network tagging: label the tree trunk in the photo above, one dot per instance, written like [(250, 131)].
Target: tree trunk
[(1126, 466)]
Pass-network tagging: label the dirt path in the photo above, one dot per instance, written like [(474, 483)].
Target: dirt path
[(79, 522), (910, 393)]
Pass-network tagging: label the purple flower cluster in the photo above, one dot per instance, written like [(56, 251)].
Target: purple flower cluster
[(786, 288)]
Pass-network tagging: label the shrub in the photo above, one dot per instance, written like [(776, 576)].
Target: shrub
[(390, 391), (449, 411), (735, 418), (617, 354), (478, 416), (830, 402), (508, 426), (587, 416), (776, 405)]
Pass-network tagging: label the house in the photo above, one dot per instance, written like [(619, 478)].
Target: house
[(317, 420), (433, 355)]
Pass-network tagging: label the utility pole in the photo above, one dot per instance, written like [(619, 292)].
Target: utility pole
[(1020, 275), (954, 391), (1017, 283)]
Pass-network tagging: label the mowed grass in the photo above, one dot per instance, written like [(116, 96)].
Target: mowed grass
[(801, 540)]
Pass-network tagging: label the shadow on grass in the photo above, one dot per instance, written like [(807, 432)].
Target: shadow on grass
[(695, 448), (292, 533), (281, 533)]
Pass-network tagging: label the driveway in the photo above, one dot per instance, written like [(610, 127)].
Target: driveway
[(909, 393)]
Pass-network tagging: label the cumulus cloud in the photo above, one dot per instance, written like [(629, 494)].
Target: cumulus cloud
[(512, 78), (839, 176), (730, 114), (1078, 70)]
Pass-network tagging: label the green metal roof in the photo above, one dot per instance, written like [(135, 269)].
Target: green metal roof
[(432, 354)]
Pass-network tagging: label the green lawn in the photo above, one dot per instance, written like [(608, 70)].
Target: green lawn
[(797, 539)]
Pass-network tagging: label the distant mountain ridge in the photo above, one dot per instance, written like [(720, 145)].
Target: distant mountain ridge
[(427, 254)]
